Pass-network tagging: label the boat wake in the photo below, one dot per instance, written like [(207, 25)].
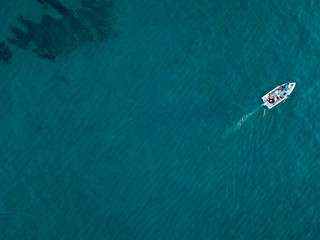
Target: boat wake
[(240, 122)]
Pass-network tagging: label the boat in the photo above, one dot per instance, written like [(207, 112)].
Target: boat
[(278, 94)]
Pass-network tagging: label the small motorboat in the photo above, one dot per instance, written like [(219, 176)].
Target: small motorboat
[(278, 94)]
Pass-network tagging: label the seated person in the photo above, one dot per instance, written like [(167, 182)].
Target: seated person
[(283, 95), (287, 86), (271, 99)]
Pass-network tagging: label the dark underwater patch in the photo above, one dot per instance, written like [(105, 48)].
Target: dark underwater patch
[(50, 38), (5, 53)]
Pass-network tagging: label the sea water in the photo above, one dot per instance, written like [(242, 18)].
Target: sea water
[(122, 138)]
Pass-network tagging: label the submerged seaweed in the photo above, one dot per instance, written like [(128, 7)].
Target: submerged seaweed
[(51, 37)]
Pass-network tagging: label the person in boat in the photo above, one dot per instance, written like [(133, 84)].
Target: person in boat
[(271, 99), (283, 95), (287, 86)]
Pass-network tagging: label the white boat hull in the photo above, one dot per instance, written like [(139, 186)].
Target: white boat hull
[(278, 94)]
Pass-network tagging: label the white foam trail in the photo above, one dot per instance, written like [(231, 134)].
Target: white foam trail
[(239, 123)]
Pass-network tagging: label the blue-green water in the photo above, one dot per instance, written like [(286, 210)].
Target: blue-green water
[(129, 138)]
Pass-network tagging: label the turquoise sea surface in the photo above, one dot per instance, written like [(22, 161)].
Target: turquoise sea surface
[(147, 124)]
